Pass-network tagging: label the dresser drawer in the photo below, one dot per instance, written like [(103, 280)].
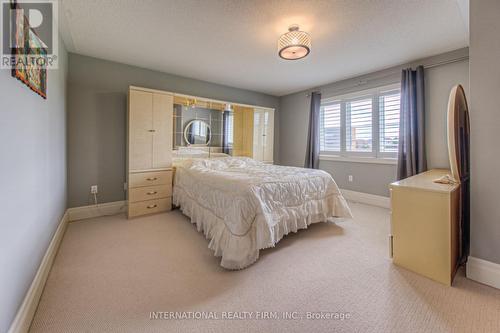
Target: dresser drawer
[(140, 179), (149, 192), (149, 207)]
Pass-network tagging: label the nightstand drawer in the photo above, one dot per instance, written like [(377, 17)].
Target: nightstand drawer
[(140, 179), (149, 207), (149, 193)]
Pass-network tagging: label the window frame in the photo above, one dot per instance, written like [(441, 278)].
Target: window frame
[(357, 156)]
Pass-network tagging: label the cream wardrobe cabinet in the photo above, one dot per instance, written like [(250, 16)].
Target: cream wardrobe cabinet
[(263, 135), (149, 161)]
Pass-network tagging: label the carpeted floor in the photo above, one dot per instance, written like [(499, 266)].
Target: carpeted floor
[(110, 273)]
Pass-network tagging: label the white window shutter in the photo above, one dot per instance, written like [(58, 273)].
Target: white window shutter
[(389, 106), (359, 129), (330, 127)]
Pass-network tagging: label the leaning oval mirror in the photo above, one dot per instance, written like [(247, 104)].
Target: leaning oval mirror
[(197, 132)]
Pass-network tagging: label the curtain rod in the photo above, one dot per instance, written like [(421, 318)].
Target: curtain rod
[(364, 81), (446, 62)]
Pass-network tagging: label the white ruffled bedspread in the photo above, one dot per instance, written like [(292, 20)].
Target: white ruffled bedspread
[(243, 205)]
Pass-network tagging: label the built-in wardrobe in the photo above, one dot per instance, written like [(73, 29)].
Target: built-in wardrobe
[(149, 152), (159, 123), (263, 135), (253, 133)]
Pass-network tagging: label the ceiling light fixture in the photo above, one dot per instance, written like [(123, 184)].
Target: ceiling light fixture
[(295, 44)]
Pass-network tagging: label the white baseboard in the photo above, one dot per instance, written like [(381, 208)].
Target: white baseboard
[(26, 312), (87, 212), (366, 198), (483, 271)]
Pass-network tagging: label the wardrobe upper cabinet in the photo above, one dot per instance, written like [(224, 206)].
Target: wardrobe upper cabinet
[(149, 130), (162, 125), (140, 135), (268, 141), (263, 137)]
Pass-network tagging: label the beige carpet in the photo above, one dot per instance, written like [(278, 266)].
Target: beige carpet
[(110, 273)]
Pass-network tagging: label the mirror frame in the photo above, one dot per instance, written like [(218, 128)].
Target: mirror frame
[(197, 144)]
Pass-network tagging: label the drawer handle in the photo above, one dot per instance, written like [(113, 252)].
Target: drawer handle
[(151, 130), (151, 179), (151, 206), (152, 193)]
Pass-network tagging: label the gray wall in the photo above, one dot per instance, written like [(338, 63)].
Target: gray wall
[(33, 178), (485, 125), (438, 83), (97, 91), (374, 178)]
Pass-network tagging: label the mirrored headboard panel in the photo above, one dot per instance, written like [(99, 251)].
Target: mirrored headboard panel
[(223, 128), (197, 126)]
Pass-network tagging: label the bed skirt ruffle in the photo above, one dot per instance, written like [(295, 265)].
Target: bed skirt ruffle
[(242, 250)]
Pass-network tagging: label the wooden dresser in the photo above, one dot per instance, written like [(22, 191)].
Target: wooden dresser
[(425, 225), (149, 151)]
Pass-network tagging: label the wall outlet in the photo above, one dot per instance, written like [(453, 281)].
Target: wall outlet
[(93, 189), (350, 178)]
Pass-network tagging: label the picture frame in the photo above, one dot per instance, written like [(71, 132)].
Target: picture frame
[(29, 55)]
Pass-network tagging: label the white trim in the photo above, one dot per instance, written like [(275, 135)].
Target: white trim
[(26, 312), (207, 99), (483, 271), (151, 90), (361, 93), (367, 198), (104, 209), (370, 160)]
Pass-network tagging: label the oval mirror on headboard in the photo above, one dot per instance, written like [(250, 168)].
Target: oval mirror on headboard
[(197, 132)]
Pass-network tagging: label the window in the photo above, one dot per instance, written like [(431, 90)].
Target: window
[(329, 130), (389, 122), (364, 124), (359, 125)]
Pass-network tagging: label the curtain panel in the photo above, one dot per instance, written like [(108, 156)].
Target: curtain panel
[(312, 148), (411, 151)]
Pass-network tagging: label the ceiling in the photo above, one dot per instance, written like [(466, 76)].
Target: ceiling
[(233, 42)]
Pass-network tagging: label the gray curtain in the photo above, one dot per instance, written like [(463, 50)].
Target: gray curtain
[(312, 149), (411, 153)]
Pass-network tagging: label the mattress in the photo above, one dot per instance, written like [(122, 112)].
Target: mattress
[(243, 206)]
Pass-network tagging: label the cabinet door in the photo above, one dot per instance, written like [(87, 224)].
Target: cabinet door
[(268, 136), (140, 122), (258, 135), (243, 131), (163, 126)]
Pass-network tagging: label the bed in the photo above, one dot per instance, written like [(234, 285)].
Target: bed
[(243, 206)]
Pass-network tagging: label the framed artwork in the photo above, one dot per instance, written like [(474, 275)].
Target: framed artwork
[(30, 55)]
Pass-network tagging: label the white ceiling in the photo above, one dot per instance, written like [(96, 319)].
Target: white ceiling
[(233, 42)]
